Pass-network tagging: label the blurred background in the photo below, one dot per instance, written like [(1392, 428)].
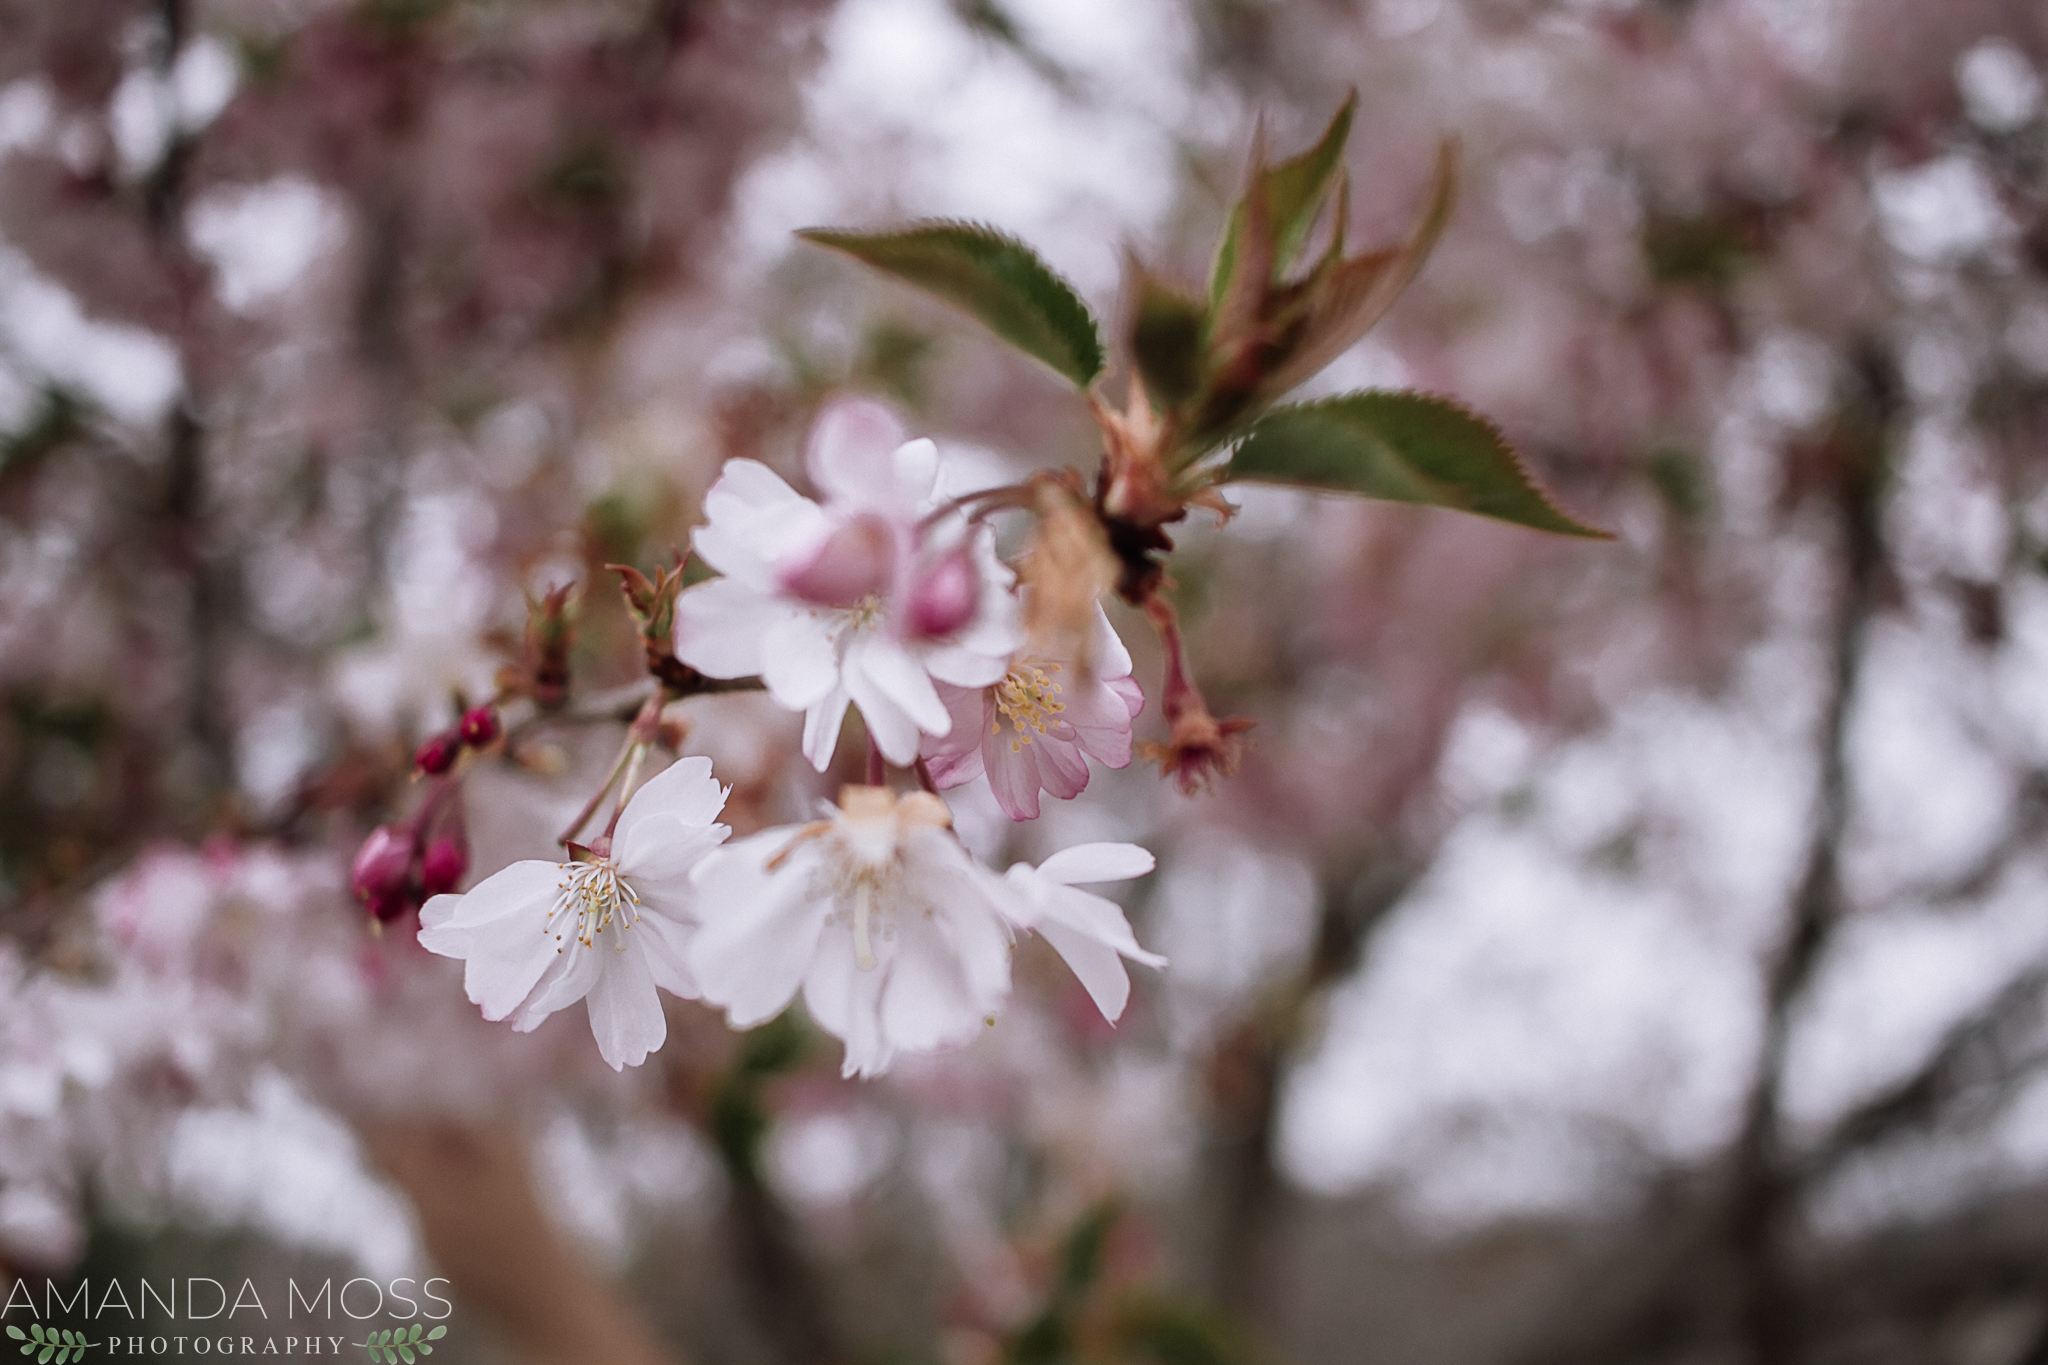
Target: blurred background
[(1627, 952)]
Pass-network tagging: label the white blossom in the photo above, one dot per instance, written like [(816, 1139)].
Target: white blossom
[(864, 601), (897, 938), (539, 936)]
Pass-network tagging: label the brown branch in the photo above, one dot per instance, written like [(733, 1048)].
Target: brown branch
[(1760, 1181), (1247, 1072)]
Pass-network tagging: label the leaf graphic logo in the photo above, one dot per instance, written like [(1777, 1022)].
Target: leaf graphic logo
[(393, 1345), (57, 1344)]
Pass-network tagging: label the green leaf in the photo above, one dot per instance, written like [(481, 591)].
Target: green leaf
[(995, 277), (44, 1358), (1348, 296), (16, 1332), (36, 1331), (1294, 191), (1404, 447), (424, 1349), (1168, 334), (437, 1333), (414, 1334), (405, 1354)]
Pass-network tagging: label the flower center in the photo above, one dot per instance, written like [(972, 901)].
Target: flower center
[(593, 896), (864, 614), (1026, 697)]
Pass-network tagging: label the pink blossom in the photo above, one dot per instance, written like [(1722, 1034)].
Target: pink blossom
[(1036, 728)]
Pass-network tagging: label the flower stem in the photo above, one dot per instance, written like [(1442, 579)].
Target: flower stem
[(590, 808), (632, 779)]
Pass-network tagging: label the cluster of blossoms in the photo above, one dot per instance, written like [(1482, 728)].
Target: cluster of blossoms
[(882, 598), (889, 598)]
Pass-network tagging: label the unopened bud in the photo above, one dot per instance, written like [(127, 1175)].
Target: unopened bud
[(479, 726), (386, 908), (382, 864), (945, 596), (443, 864), (851, 563), (438, 754)]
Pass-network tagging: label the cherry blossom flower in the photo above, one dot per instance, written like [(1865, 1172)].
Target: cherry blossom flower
[(1035, 728), (864, 601), (897, 937), (611, 925)]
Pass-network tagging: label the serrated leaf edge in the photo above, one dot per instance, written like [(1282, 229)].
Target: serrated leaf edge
[(820, 236), (1528, 477)]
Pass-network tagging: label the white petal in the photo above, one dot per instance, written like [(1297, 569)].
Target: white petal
[(916, 467), (1097, 863), (720, 626), (1110, 658), (893, 732), (846, 1002), (666, 942), (1097, 965), (1041, 902), (848, 457), (799, 664), (504, 894), (569, 978), (822, 723), (903, 680), (682, 797), (659, 861), (964, 667), (758, 930), (926, 1002), (625, 1012), (499, 930), (753, 520)]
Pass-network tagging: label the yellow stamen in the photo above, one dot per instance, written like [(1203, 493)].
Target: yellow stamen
[(593, 898), (1027, 698)]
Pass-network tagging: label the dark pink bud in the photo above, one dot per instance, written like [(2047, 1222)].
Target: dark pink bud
[(389, 907), (438, 754), (945, 596), (479, 726), (852, 563), (445, 861), (382, 864)]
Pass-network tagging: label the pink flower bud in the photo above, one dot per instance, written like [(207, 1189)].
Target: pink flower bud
[(438, 754), (445, 861), (382, 864), (479, 726), (853, 562), (388, 907), (945, 596)]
